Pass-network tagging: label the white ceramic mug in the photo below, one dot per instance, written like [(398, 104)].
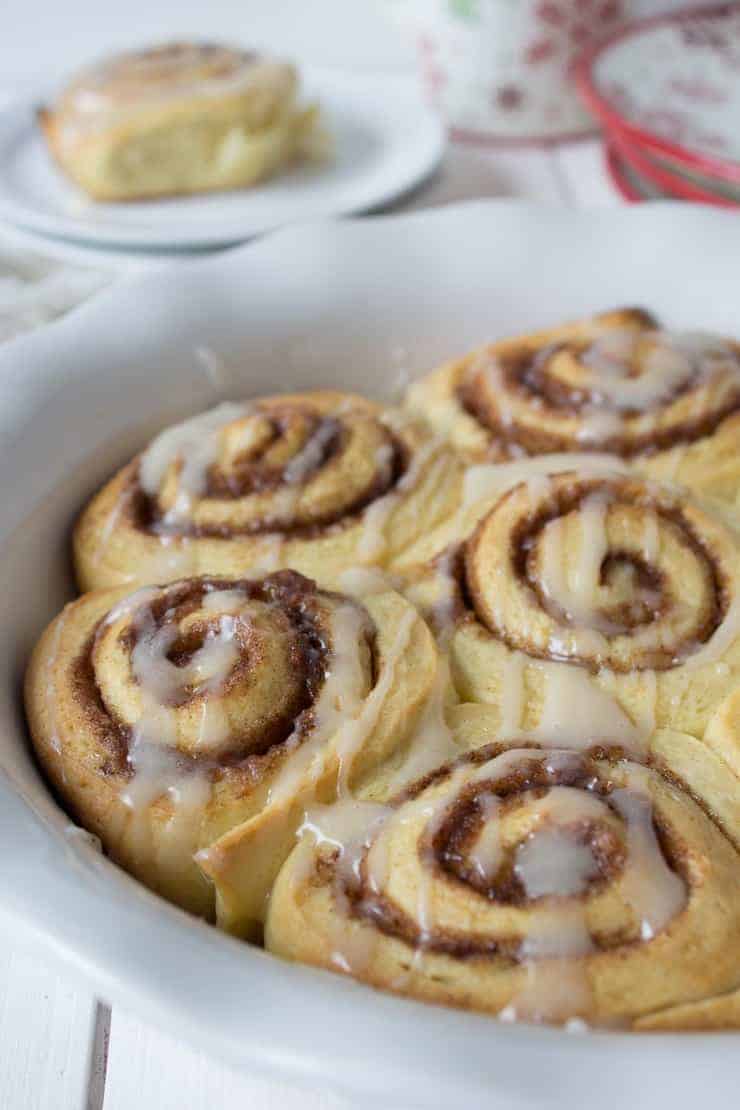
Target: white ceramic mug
[(499, 69)]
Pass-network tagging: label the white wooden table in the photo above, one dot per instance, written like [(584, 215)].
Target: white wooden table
[(63, 1049)]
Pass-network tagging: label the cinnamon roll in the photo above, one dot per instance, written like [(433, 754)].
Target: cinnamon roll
[(179, 118), (585, 596), (318, 482), (617, 383), (548, 886), (167, 717)]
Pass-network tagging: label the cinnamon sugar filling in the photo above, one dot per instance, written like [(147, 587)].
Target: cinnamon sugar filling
[(252, 474), (292, 595), (447, 854)]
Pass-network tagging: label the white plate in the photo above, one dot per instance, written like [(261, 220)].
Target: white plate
[(386, 141), (336, 304)]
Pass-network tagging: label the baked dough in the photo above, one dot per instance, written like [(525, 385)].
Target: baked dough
[(177, 119)]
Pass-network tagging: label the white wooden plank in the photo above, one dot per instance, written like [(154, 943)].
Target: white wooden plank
[(99, 1058), (148, 1068), (46, 1037), (583, 173), (469, 172)]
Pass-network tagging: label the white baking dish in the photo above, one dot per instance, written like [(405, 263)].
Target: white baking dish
[(355, 305)]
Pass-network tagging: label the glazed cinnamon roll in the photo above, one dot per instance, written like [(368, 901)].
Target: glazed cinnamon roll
[(317, 482), (179, 118), (546, 886), (585, 595), (617, 383), (168, 717)]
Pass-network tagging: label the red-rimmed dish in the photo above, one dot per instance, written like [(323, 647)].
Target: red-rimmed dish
[(670, 183), (624, 181), (672, 85)]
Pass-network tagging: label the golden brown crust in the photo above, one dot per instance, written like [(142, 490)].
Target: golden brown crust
[(183, 118), (717, 1014), (166, 718), (633, 582), (272, 749), (318, 482), (690, 548), (419, 918), (612, 383)]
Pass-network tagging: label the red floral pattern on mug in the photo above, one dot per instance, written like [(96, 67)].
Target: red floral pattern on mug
[(502, 67)]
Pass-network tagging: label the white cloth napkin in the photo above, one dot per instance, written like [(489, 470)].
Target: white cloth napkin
[(35, 289)]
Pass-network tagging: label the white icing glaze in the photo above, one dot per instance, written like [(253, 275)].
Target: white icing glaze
[(432, 743), (672, 361), (341, 711), (194, 444), (576, 713), (571, 578), (309, 457), (655, 893), (487, 852), (551, 860), (669, 362), (373, 541), (153, 754), (721, 640), (596, 425), (488, 481), (446, 598), (110, 91), (347, 827)]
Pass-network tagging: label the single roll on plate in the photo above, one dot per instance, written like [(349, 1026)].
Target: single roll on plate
[(546, 886), (318, 482), (180, 118), (170, 717), (617, 383)]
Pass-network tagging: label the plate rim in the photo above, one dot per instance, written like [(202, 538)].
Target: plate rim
[(584, 76)]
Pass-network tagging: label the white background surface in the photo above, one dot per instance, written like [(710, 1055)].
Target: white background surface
[(61, 1049)]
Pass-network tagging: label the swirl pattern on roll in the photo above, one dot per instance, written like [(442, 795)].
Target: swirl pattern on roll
[(161, 73), (576, 582), (604, 572), (614, 383), (168, 717), (179, 118), (534, 885), (317, 482)]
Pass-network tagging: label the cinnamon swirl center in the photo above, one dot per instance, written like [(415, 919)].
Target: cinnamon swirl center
[(522, 855), (275, 466), (611, 573), (620, 385), (215, 672)]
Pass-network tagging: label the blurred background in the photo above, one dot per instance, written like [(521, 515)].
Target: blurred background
[(48, 38), (499, 74)]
